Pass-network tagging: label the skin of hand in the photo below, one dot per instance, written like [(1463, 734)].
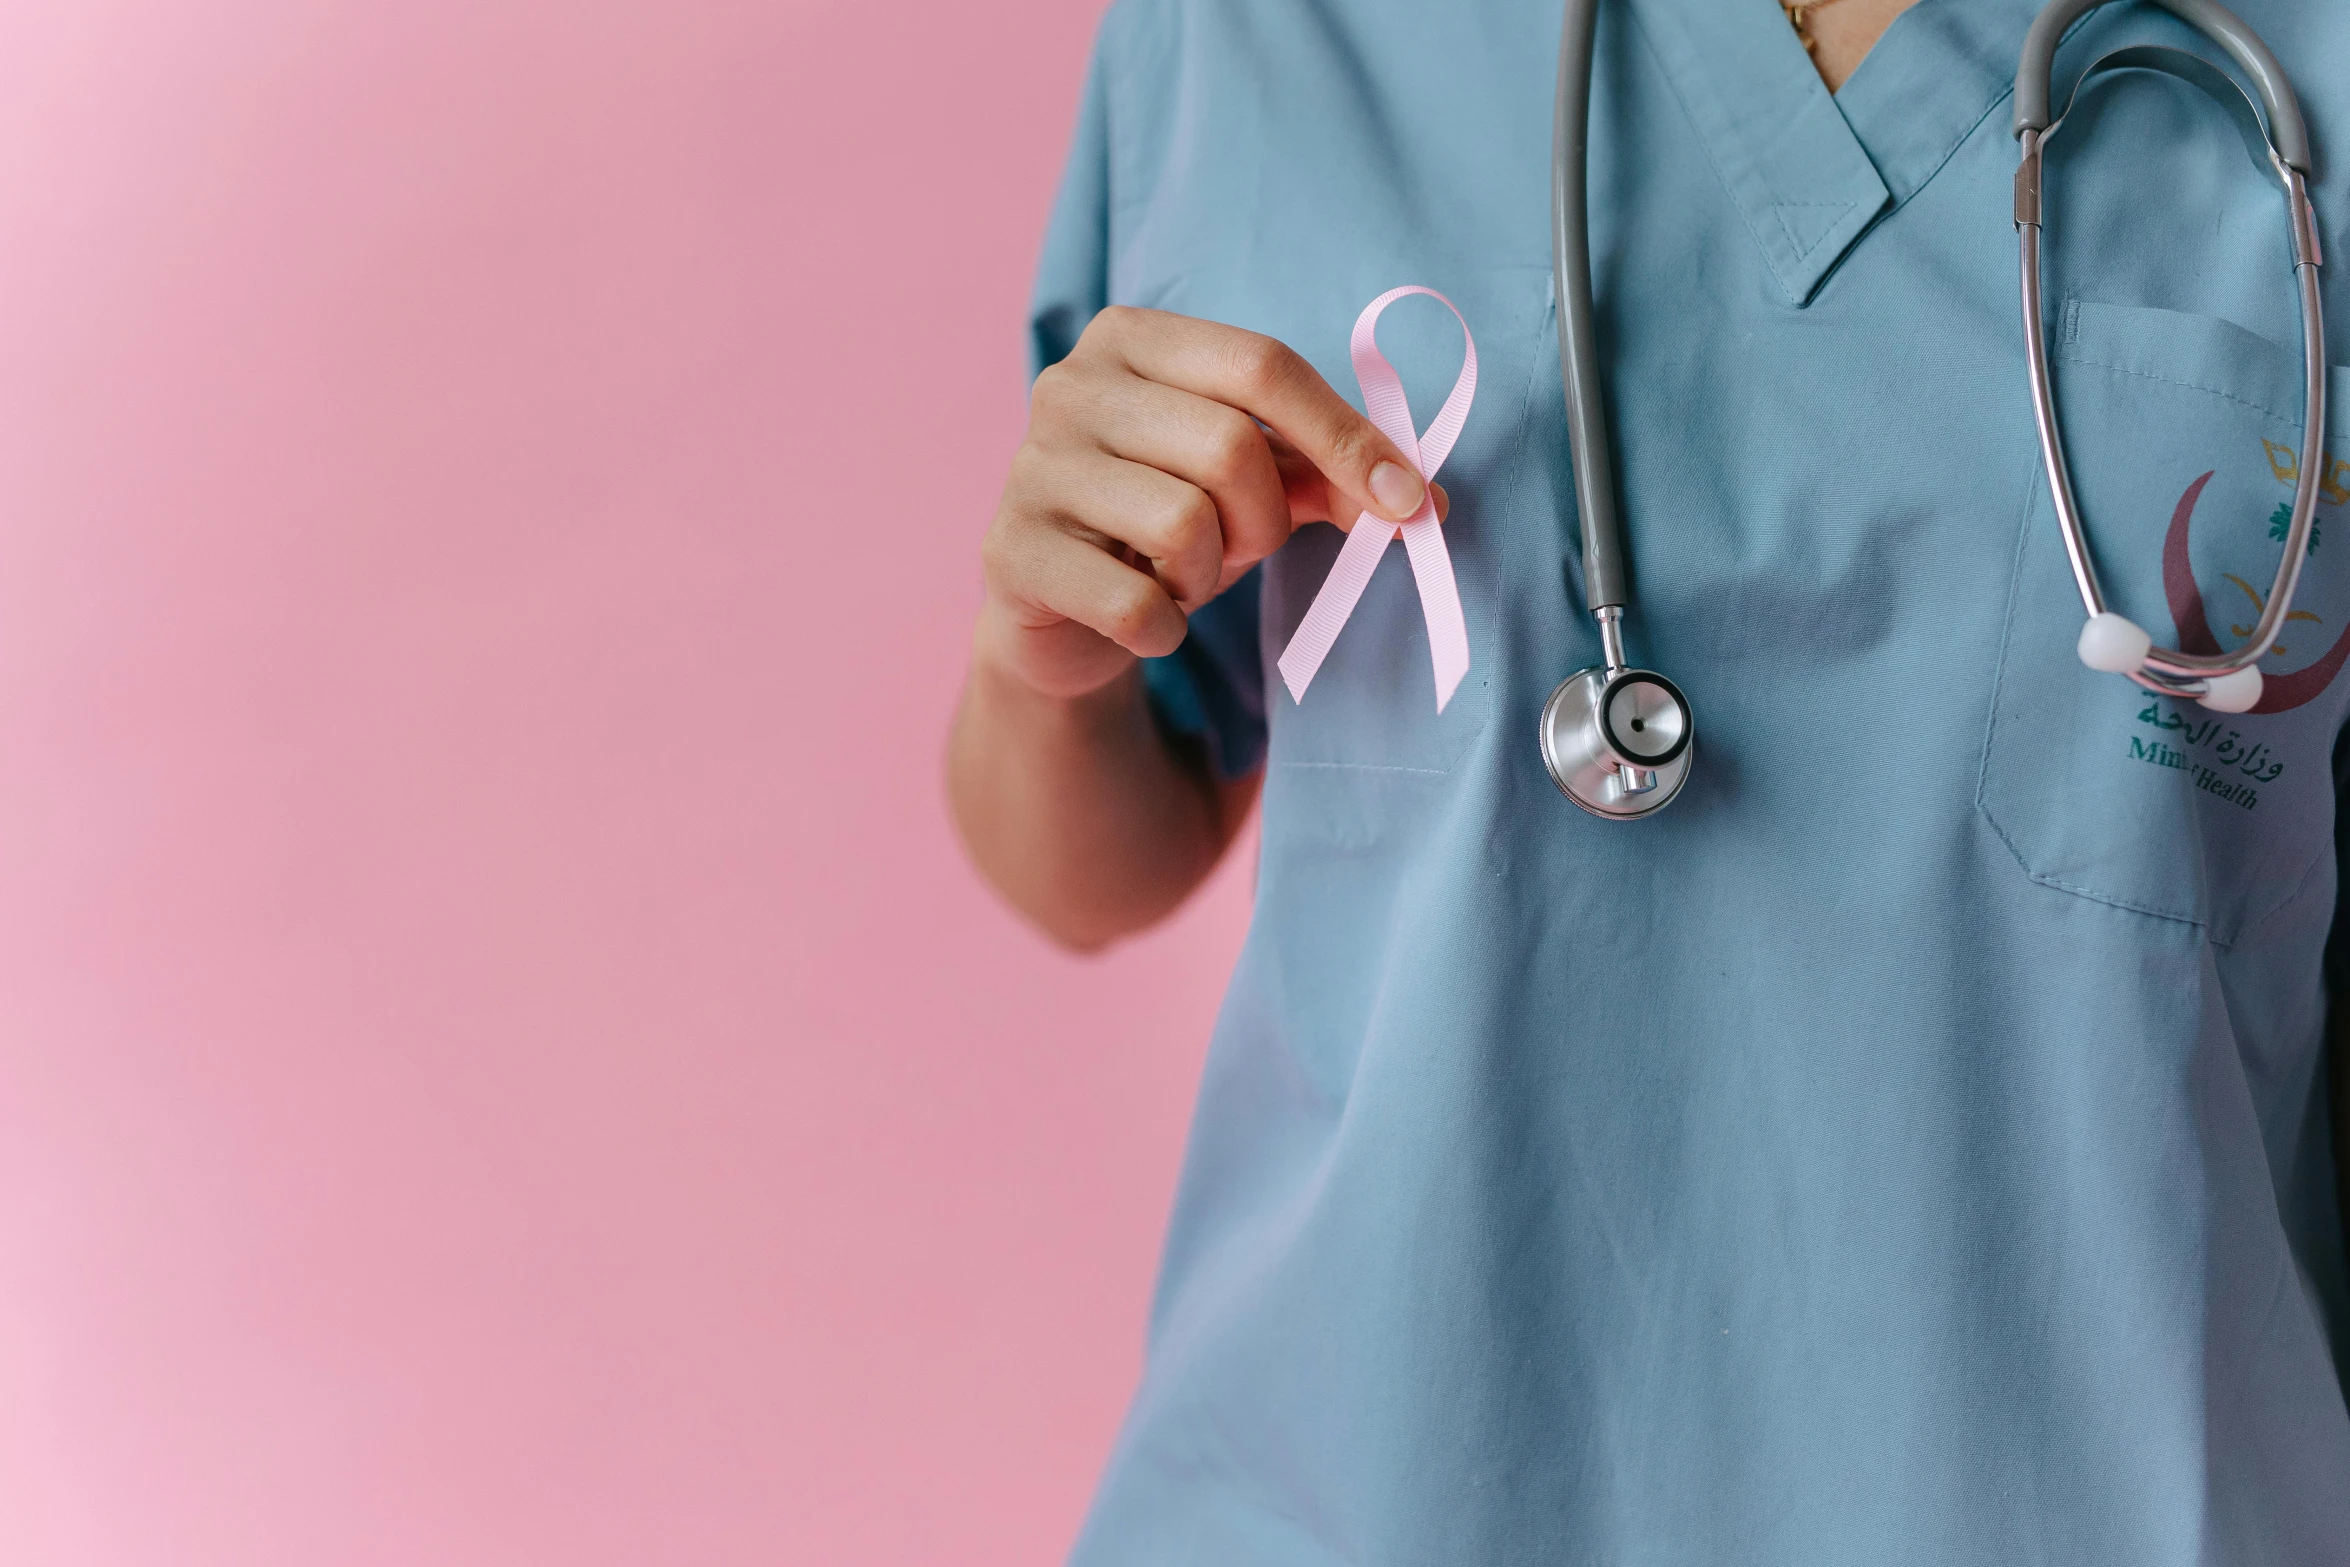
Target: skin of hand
[(1164, 457)]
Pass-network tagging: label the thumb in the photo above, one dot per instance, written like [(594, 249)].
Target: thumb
[(1363, 472), (1317, 496), (1360, 468)]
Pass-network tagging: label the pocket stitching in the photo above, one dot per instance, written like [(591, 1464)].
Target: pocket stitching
[(1369, 767), (2192, 386), (2318, 853), (1516, 470), (2299, 887), (2015, 579)]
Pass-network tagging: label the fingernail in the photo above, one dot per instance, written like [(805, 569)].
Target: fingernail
[(1398, 490)]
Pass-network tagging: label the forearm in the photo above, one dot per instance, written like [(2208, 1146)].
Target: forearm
[(1078, 810)]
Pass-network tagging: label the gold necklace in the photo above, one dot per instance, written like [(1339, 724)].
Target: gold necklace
[(1798, 11)]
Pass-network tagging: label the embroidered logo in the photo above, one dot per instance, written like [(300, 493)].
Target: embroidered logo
[(2201, 747), (2278, 693)]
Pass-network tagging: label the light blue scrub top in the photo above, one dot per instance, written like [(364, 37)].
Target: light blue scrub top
[(1910, 1146)]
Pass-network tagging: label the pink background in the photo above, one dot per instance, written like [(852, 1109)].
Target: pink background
[(500, 1060)]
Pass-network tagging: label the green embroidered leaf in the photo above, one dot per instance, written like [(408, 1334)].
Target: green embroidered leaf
[(2280, 522)]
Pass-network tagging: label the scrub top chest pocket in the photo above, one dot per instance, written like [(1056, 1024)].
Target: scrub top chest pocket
[(2183, 433), (1372, 703)]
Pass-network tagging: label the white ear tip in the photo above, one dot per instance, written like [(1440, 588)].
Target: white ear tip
[(2236, 693), (2114, 643)]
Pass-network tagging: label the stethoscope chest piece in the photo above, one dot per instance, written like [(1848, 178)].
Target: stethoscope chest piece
[(1618, 741)]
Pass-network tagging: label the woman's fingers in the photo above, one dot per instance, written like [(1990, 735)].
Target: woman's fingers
[(1273, 384), (1309, 495), (1210, 445), (1052, 564), (1168, 526), (1173, 527)]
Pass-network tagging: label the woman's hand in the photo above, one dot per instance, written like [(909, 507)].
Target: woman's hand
[(1165, 456)]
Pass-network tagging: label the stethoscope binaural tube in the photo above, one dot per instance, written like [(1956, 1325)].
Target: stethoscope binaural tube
[(1570, 259), (1618, 741), (2277, 138)]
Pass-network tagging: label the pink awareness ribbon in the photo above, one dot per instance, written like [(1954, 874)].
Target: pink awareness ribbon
[(1423, 536)]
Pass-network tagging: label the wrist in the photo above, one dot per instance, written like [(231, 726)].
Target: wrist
[(1001, 685), (1057, 661)]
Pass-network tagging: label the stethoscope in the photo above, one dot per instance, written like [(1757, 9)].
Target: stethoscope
[(1618, 740)]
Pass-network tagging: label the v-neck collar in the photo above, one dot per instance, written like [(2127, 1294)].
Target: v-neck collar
[(1922, 90), (1810, 172)]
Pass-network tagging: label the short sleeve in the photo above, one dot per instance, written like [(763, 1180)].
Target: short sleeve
[(1212, 688)]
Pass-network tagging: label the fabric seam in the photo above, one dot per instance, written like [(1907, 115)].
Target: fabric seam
[(1730, 186), (1991, 731)]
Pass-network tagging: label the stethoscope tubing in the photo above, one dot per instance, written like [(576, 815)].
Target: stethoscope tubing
[(2286, 132), (1604, 577), (2283, 139), (1585, 760), (2170, 670)]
